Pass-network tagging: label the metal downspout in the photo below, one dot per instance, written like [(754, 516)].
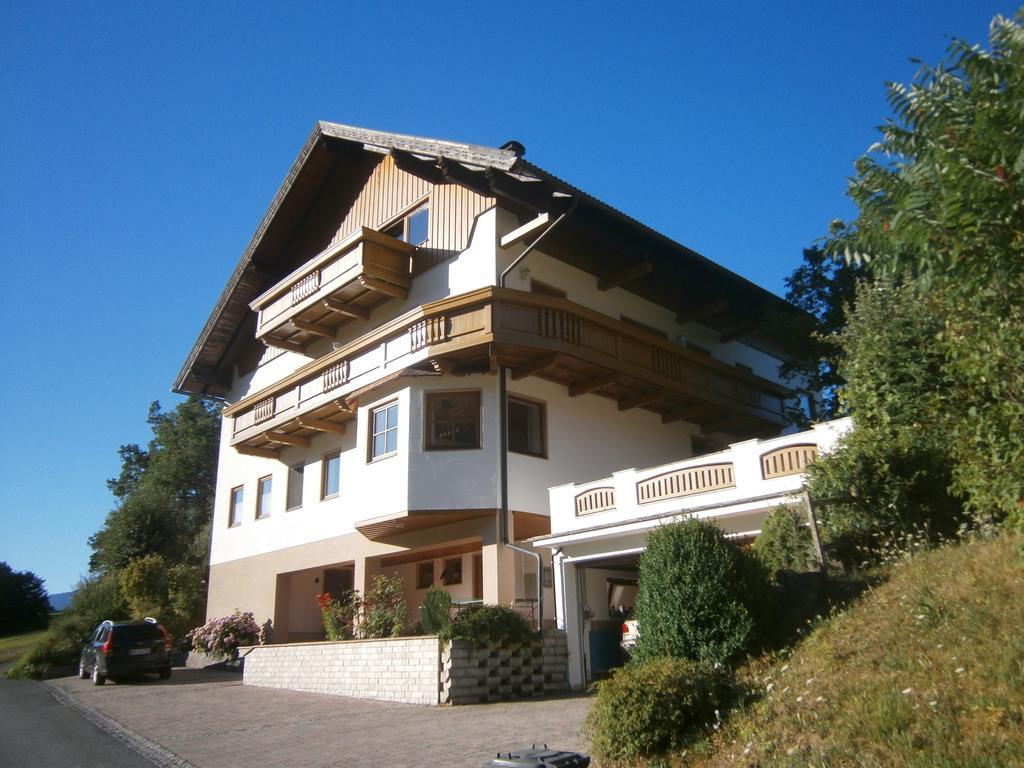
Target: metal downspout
[(503, 371)]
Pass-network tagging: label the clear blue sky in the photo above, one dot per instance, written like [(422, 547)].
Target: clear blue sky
[(140, 144)]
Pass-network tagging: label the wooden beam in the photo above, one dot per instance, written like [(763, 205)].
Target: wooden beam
[(424, 169), (641, 399), (263, 453), (626, 276), (346, 405), (744, 330), (533, 194), (281, 437), (343, 308), (443, 366), (212, 377), (457, 173), (701, 311), (291, 346), (527, 229), (323, 426), (535, 366), (315, 328), (382, 286), (584, 387)]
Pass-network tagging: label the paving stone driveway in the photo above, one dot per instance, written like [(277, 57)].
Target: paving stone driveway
[(212, 721)]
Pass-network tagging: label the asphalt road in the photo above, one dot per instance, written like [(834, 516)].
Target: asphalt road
[(37, 730)]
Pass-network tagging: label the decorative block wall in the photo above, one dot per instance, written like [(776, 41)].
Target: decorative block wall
[(472, 675), (411, 670), (400, 669)]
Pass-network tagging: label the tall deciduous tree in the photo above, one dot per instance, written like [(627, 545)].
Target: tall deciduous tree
[(24, 606), (164, 493), (941, 206)]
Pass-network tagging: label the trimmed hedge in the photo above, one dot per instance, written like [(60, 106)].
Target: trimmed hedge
[(646, 709)]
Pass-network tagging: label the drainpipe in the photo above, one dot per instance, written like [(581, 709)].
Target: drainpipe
[(503, 371)]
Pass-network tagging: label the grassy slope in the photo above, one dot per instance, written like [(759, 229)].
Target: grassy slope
[(14, 647), (926, 670)]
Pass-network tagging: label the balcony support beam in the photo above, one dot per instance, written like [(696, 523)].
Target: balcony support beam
[(263, 453), (320, 425), (342, 308), (744, 330), (535, 366), (527, 229), (701, 312), (625, 277), (281, 437), (645, 398), (585, 387), (291, 346), (314, 328), (382, 286)]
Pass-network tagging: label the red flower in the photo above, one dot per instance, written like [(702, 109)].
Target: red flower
[(323, 600)]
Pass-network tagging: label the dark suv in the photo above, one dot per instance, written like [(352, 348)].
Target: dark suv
[(126, 648)]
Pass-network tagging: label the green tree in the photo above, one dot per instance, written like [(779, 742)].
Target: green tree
[(24, 606), (699, 596), (823, 286), (164, 493), (784, 542), (940, 206)]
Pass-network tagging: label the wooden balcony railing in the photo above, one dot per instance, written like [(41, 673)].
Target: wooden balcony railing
[(534, 335), (343, 283)]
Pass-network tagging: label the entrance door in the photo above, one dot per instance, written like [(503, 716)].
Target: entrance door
[(478, 577), (337, 581)]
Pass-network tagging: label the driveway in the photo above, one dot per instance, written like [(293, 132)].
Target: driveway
[(209, 719)]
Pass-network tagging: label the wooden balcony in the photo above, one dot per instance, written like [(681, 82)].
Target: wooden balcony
[(343, 283), (534, 335)]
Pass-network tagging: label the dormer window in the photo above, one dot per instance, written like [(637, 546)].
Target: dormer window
[(412, 228)]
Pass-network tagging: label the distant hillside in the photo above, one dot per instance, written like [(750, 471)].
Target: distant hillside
[(61, 600), (925, 670)]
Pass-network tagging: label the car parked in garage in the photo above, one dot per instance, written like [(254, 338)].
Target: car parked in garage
[(122, 648)]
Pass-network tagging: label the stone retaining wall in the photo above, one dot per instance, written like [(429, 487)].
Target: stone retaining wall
[(412, 670), (400, 669)]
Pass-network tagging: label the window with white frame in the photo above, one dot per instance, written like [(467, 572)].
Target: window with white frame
[(526, 427), (331, 475), (235, 510), (263, 494), (383, 431), (296, 476), (414, 228)]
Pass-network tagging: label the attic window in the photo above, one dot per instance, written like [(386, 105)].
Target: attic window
[(412, 228)]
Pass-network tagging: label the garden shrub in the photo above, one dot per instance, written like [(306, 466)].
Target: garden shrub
[(98, 598), (223, 637), (649, 708), (480, 625), (435, 614), (339, 614), (784, 543), (699, 596), (385, 612), (60, 647)]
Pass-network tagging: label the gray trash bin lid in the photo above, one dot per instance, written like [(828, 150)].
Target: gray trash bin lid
[(539, 757)]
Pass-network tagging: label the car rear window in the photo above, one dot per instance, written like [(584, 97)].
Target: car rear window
[(136, 633)]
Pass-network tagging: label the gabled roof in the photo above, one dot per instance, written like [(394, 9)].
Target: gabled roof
[(596, 237)]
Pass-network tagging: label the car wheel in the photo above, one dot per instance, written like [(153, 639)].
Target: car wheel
[(97, 678), (165, 673), (82, 674)]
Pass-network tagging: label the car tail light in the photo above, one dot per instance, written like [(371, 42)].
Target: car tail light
[(625, 629), (167, 639), (109, 645)]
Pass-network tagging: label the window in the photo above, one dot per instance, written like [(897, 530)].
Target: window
[(296, 475), (536, 286), (264, 486), (413, 228), (526, 427), (383, 431), (424, 575), (235, 513), (331, 475), (452, 573), (453, 421)]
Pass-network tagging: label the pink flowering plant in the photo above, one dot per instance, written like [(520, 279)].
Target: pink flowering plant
[(222, 637)]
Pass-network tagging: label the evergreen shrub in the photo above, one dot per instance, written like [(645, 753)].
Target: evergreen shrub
[(648, 708), (784, 543), (484, 624), (435, 615), (700, 597)]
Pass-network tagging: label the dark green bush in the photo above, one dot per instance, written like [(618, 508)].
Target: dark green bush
[(435, 614), (483, 624), (700, 597), (61, 647), (384, 609), (784, 543), (646, 709)]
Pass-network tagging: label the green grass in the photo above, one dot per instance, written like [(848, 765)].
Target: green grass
[(14, 647), (926, 669)]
